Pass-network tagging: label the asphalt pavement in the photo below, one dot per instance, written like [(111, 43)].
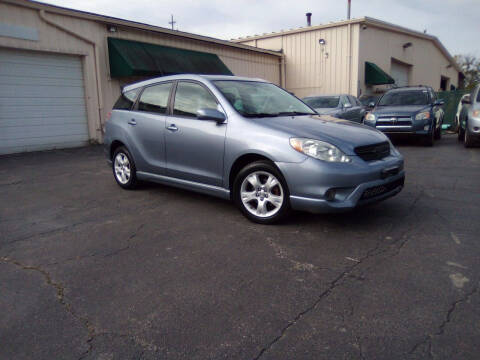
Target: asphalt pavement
[(91, 271)]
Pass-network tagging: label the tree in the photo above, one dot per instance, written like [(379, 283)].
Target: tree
[(470, 66)]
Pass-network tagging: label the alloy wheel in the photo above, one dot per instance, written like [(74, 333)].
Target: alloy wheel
[(122, 168), (262, 194)]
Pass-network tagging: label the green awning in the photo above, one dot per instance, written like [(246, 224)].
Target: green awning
[(133, 58), (374, 75)]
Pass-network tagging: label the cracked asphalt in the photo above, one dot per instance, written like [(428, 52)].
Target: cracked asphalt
[(90, 271)]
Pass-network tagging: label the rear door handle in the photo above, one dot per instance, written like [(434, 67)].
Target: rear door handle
[(132, 122), (172, 127)]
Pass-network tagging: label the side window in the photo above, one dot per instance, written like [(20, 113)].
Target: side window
[(433, 95), (126, 100), (191, 97), (478, 95), (155, 98), (343, 101), (352, 100)]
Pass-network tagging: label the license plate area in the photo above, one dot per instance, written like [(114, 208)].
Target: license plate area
[(382, 189)]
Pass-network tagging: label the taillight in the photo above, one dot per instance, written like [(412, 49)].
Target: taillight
[(109, 115)]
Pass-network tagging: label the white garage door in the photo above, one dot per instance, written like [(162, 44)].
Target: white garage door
[(42, 101), (400, 73)]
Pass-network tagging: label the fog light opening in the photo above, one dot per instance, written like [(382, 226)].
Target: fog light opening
[(426, 127), (476, 128), (330, 194)]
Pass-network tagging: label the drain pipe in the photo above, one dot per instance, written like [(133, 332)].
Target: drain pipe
[(96, 62)]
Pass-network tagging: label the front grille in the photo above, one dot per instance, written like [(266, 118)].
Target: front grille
[(382, 189), (393, 121), (373, 152)]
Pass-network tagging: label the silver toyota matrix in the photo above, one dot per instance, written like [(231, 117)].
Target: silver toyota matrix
[(249, 141)]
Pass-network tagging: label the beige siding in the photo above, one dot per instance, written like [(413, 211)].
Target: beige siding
[(315, 69), (427, 62), (241, 62)]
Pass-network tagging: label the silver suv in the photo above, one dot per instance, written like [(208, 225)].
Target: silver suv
[(249, 141)]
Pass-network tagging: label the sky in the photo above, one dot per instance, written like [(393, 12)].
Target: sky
[(455, 22)]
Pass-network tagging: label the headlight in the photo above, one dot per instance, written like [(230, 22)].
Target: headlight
[(319, 150), (424, 115), (476, 113), (370, 117)]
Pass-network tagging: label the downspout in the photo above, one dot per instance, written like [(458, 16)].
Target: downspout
[(96, 62), (350, 59)]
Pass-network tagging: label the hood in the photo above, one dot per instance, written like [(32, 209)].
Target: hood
[(325, 111), (406, 110), (345, 135)]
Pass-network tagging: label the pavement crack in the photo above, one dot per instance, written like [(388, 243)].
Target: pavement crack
[(60, 295), (338, 281), (129, 242), (441, 329)]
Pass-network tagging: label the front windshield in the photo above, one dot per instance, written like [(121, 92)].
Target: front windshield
[(366, 100), (323, 102), (259, 99), (399, 98)]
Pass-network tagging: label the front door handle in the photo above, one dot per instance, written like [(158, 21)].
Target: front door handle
[(172, 127), (132, 122)]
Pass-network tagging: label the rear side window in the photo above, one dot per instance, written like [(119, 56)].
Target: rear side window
[(478, 96), (155, 98), (191, 97), (126, 100)]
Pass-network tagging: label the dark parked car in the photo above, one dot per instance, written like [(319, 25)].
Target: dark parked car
[(469, 129), (412, 110), (340, 106), (249, 141)]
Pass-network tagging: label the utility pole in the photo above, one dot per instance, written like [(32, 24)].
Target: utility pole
[(348, 9), (171, 22)]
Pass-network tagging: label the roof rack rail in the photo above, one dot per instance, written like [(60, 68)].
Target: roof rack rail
[(409, 86)]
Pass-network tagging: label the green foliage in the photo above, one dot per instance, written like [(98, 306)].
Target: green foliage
[(470, 65)]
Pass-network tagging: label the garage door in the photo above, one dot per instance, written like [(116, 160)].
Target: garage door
[(400, 73), (42, 101)]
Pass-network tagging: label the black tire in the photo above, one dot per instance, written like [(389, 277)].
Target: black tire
[(430, 138), (438, 133), (467, 138), (461, 133), (261, 169), (127, 182)]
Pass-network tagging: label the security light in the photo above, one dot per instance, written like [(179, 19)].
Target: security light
[(322, 42)]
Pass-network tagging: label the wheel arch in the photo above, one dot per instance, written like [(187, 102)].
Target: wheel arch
[(114, 146), (243, 161)]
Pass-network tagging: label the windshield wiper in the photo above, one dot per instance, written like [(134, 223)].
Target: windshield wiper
[(287, 113), (251, 115)]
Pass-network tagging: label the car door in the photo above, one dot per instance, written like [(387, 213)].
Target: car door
[(147, 128), (355, 110), (194, 148)]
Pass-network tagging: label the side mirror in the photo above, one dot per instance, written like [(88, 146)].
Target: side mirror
[(466, 101), (371, 105), (439, 103), (211, 114), (347, 105)]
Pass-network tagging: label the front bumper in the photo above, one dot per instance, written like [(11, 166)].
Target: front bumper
[(311, 181), (474, 126)]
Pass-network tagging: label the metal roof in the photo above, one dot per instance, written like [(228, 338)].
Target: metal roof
[(108, 20)]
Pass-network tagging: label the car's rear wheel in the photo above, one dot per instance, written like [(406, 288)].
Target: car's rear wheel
[(261, 193), (124, 169)]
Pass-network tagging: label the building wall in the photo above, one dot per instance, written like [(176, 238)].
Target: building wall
[(312, 68), (241, 62), (427, 62)]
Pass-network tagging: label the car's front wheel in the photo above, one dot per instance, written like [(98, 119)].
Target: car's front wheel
[(124, 169), (467, 137), (261, 193)]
